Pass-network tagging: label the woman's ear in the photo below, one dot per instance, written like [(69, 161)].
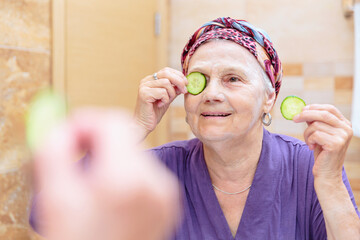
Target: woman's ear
[(269, 101)]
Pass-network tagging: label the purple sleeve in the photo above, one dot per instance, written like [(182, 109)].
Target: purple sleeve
[(172, 156), (317, 219), (34, 219)]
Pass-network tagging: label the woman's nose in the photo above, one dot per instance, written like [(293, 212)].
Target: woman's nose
[(213, 92)]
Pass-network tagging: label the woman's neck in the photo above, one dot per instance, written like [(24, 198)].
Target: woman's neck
[(233, 163)]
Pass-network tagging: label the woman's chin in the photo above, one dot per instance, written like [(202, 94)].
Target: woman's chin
[(214, 135)]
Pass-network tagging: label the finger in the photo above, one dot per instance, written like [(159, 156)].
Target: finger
[(179, 81), (162, 96), (318, 138), (326, 107), (119, 164), (152, 95), (164, 83), (146, 79), (94, 128), (309, 116), (180, 74), (328, 142), (60, 181), (319, 126), (54, 160), (101, 132)]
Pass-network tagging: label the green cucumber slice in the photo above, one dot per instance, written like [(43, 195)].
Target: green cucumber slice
[(291, 106), (45, 111), (197, 83)]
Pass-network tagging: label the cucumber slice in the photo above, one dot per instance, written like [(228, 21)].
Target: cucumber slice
[(197, 83), (45, 111), (291, 106)]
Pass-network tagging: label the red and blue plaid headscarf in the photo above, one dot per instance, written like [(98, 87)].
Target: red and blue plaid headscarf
[(246, 35)]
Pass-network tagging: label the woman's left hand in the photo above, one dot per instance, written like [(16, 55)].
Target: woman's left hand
[(328, 134)]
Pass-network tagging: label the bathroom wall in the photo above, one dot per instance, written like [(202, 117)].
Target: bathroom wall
[(24, 68), (314, 41)]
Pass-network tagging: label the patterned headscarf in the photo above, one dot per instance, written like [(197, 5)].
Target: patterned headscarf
[(239, 31)]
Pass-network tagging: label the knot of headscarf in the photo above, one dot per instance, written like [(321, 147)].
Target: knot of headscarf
[(239, 31)]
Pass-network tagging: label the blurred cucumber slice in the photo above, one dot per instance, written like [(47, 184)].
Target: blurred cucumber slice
[(45, 111)]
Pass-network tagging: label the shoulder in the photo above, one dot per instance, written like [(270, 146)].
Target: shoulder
[(292, 155), (178, 153), (288, 147), (284, 140), (186, 145)]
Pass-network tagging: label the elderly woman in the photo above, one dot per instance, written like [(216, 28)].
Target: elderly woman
[(240, 181)]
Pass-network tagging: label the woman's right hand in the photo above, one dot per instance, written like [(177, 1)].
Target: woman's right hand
[(155, 96)]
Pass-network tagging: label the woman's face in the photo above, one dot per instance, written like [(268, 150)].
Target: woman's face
[(234, 99)]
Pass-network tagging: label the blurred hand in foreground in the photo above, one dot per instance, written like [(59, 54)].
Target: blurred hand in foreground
[(123, 194)]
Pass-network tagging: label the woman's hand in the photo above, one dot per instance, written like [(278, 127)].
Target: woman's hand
[(123, 194), (155, 96), (328, 134)]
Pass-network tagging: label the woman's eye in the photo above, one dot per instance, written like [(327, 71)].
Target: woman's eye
[(234, 79)]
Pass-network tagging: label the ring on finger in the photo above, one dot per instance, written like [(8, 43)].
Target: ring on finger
[(155, 76)]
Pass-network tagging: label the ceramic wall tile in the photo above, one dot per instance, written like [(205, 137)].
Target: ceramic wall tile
[(303, 31), (343, 97), (344, 82), (344, 68), (292, 69), (345, 110), (292, 83), (319, 97), (25, 67), (319, 69), (319, 83), (22, 74), (25, 24)]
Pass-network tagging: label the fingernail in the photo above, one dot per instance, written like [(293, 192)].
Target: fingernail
[(306, 108), (185, 90)]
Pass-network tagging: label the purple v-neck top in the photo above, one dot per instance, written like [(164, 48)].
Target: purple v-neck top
[(282, 203)]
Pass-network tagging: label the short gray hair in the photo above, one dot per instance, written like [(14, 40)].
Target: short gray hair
[(267, 83)]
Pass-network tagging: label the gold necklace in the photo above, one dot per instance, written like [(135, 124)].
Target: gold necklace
[(234, 193)]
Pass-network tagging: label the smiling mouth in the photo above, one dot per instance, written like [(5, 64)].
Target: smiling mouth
[(215, 114)]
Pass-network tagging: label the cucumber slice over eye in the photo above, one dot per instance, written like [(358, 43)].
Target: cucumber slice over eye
[(197, 83), (291, 106)]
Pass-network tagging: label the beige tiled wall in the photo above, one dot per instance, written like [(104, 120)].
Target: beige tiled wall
[(24, 68), (314, 41)]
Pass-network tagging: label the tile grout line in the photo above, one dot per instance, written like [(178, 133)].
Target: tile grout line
[(9, 170), (34, 50)]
